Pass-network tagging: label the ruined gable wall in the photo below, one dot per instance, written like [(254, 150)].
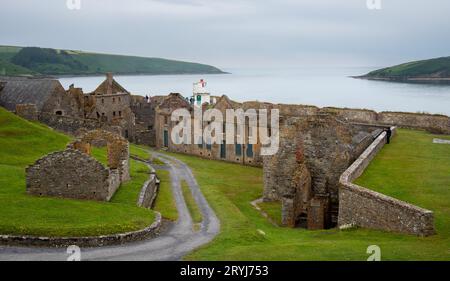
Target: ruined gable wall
[(145, 119), (64, 102)]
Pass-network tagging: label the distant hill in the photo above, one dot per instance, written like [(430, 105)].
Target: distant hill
[(432, 70), (46, 61)]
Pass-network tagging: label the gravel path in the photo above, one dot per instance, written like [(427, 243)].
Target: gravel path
[(178, 240)]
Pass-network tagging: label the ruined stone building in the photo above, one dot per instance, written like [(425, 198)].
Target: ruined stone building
[(144, 109), (45, 99), (304, 175), (46, 96), (316, 144), (110, 103), (74, 173), (248, 154)]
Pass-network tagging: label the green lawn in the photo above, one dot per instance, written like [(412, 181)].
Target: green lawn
[(230, 188), (23, 142), (273, 210), (136, 150), (192, 206), (165, 202), (100, 154), (415, 170)]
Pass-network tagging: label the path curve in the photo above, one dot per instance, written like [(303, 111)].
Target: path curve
[(178, 240)]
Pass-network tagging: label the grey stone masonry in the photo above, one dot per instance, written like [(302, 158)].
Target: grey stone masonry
[(70, 174), (149, 190)]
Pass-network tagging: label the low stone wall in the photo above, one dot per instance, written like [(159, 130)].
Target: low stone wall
[(93, 241), (148, 192), (366, 208), (68, 124)]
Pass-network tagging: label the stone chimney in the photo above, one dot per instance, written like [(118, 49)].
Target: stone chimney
[(109, 82)]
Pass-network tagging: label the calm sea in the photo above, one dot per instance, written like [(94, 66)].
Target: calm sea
[(312, 86)]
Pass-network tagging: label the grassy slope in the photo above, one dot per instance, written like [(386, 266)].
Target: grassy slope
[(424, 68), (230, 196), (21, 143), (100, 63)]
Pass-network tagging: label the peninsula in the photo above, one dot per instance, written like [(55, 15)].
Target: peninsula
[(36, 61), (435, 70)]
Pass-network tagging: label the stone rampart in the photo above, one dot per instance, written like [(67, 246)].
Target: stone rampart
[(362, 207)]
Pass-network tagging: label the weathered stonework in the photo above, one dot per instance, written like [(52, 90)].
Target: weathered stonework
[(304, 174), (71, 174), (27, 111), (148, 192), (117, 149), (366, 208)]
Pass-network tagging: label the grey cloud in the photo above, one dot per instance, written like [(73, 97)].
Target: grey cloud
[(230, 33)]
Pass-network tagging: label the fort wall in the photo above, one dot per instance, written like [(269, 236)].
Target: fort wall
[(362, 207)]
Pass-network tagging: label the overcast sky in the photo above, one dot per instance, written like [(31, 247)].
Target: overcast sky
[(237, 33)]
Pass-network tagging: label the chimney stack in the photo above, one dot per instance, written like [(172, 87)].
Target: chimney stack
[(109, 81)]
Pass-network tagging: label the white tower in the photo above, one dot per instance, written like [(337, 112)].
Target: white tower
[(200, 93)]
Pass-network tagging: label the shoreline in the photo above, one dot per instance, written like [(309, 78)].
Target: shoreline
[(103, 75), (412, 80)]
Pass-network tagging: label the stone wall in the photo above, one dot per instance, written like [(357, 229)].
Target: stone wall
[(27, 111), (149, 192), (366, 208), (304, 175), (71, 174), (439, 124), (433, 123), (68, 124), (90, 241), (117, 148), (144, 110)]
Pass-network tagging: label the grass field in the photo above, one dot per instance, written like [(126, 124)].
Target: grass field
[(23, 142), (239, 239), (165, 202), (417, 171), (136, 150), (192, 206)]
